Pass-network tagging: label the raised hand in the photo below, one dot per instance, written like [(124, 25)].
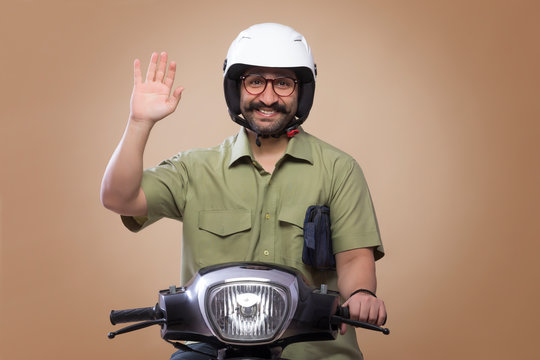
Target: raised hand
[(152, 100)]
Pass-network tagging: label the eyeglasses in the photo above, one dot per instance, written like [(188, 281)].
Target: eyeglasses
[(256, 84)]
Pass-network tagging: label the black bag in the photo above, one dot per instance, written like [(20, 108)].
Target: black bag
[(317, 250)]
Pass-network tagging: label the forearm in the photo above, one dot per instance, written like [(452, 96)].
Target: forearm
[(356, 270), (121, 186)]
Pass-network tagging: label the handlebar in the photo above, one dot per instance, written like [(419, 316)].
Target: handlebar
[(148, 315), (342, 316), (132, 315)]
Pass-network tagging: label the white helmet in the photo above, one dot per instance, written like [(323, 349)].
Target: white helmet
[(270, 45)]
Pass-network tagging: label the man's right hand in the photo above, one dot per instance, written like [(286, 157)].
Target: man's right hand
[(151, 100)]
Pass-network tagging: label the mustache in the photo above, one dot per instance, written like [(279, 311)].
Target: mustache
[(275, 106)]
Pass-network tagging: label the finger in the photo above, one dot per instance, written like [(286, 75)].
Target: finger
[(354, 308), (160, 74), (137, 77), (373, 316), (363, 313), (382, 315), (169, 79), (151, 73)]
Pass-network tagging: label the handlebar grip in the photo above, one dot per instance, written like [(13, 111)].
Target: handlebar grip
[(343, 311), (131, 315)]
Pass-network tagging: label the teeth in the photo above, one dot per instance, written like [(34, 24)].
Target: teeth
[(266, 111)]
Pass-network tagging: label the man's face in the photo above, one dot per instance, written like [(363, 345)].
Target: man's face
[(268, 113)]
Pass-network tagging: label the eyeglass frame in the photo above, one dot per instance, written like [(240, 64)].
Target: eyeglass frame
[(243, 78)]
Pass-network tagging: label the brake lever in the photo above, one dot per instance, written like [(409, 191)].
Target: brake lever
[(134, 327), (338, 320)]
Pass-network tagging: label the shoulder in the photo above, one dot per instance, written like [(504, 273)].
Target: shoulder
[(200, 156), (327, 153), (336, 164)]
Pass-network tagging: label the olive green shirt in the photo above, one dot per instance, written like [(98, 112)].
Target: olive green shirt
[(234, 210)]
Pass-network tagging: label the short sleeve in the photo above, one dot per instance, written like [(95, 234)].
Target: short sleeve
[(165, 189), (354, 223)]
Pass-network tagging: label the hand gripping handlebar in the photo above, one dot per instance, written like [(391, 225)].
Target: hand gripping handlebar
[(343, 317)]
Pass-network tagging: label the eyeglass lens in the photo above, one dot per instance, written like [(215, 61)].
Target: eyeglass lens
[(256, 84)]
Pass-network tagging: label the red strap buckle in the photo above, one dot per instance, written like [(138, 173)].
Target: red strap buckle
[(292, 132)]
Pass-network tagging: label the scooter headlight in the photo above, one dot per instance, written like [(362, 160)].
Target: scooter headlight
[(248, 311)]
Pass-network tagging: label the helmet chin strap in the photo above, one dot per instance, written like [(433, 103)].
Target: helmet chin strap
[(291, 130)]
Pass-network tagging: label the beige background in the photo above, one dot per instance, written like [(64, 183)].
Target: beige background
[(437, 100)]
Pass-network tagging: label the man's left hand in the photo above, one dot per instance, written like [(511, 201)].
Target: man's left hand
[(366, 308)]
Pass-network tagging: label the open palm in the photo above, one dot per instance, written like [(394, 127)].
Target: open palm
[(152, 100)]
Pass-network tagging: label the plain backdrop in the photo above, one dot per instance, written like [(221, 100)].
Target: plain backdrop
[(437, 100)]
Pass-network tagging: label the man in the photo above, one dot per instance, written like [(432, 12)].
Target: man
[(246, 199)]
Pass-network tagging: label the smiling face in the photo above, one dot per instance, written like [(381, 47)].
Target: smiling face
[(268, 113)]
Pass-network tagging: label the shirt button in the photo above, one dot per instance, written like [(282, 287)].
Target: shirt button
[(266, 252), (267, 216)]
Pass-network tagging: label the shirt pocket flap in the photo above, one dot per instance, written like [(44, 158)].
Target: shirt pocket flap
[(293, 215), (225, 222)]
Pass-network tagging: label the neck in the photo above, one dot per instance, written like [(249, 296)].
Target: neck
[(270, 151), (268, 144)]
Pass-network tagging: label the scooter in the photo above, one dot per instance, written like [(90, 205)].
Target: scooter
[(244, 310)]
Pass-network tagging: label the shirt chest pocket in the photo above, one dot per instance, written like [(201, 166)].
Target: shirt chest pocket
[(223, 236), (225, 222)]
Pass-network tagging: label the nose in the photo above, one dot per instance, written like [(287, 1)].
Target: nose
[(269, 96)]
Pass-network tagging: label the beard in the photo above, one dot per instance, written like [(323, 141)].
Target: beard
[(268, 128)]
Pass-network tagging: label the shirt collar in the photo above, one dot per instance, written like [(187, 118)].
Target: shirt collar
[(240, 147), (298, 147)]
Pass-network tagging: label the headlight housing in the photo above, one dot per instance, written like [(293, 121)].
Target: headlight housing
[(247, 302), (248, 311)]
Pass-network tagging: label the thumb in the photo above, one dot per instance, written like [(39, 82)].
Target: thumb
[(343, 329), (176, 96)]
